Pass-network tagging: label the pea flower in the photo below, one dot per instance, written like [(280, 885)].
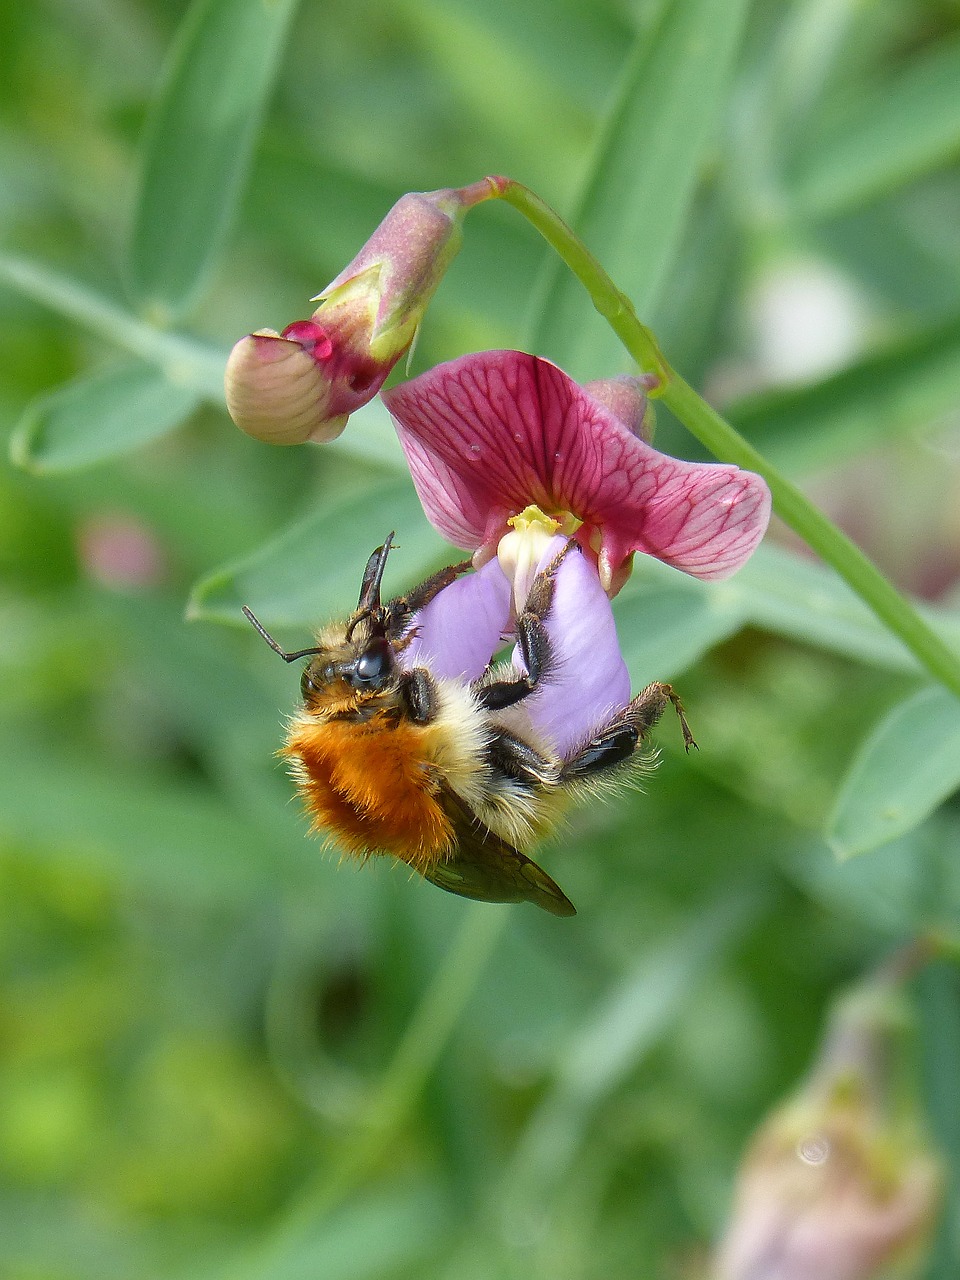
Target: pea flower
[(839, 1183), (489, 434), (510, 459), (302, 384)]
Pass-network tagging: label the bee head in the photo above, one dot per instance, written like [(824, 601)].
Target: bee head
[(364, 660), (367, 665)]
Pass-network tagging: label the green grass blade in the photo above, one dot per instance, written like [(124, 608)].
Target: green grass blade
[(99, 417), (623, 1029), (643, 176), (199, 142), (902, 129), (907, 766)]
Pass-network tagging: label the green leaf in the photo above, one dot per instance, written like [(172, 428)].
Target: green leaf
[(188, 361), (938, 1000), (792, 596), (908, 887), (907, 766), (899, 130), (667, 618), (99, 417), (378, 1234), (883, 396), (303, 577), (199, 142), (643, 175), (665, 627)]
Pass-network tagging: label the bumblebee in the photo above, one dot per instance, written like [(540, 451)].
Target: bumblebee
[(447, 775)]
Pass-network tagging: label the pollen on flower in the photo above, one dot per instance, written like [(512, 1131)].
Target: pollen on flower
[(533, 518)]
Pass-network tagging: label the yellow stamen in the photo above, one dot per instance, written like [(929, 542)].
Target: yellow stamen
[(532, 520)]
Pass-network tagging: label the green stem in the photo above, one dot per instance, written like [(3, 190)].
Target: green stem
[(726, 444)]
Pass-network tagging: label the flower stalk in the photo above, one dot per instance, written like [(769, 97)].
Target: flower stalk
[(726, 443)]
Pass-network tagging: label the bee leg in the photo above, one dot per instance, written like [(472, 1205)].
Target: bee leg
[(420, 695), (618, 740), (532, 641), (516, 759), (398, 612)]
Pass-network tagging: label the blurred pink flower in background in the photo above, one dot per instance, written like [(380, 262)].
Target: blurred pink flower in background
[(839, 1182), (120, 552)]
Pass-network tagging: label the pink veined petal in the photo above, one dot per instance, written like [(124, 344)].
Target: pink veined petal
[(705, 518), (490, 433), (460, 630), (588, 681)]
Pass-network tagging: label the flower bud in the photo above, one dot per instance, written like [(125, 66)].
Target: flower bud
[(839, 1183), (626, 398), (302, 384)]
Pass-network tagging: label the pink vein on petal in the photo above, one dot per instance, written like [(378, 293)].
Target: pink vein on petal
[(488, 434)]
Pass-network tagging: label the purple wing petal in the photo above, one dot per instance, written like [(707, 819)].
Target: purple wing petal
[(589, 680), (491, 433), (460, 630)]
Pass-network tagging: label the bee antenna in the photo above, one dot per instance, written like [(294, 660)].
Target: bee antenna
[(287, 657), (373, 576)]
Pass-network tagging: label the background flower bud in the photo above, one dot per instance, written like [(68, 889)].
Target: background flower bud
[(626, 398), (839, 1183)]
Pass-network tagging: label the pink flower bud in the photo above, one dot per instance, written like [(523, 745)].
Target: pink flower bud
[(626, 398), (838, 1184), (302, 384)]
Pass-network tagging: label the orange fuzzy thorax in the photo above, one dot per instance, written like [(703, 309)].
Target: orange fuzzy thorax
[(372, 786)]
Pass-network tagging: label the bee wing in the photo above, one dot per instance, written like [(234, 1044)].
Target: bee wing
[(485, 867)]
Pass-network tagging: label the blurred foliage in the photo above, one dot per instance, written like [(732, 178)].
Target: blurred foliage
[(220, 1054)]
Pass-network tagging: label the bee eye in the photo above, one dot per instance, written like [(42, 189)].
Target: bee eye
[(374, 665), (306, 684)]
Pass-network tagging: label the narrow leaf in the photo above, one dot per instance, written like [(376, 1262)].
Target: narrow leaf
[(903, 128), (793, 596), (199, 142), (303, 577), (907, 766), (99, 417), (907, 887), (626, 1025), (643, 176), (664, 628), (191, 362), (778, 591)]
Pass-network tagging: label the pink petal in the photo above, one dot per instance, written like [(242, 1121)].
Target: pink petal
[(491, 433), (588, 681), (459, 631)]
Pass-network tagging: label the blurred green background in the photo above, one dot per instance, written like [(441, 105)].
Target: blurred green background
[(222, 1055)]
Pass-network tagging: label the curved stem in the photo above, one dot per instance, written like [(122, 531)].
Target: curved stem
[(726, 444)]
